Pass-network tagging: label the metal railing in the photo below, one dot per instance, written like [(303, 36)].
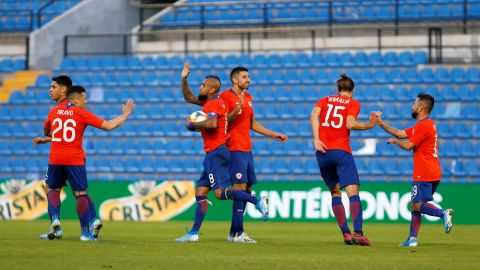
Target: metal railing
[(331, 20)]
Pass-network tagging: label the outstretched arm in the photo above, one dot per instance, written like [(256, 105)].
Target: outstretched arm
[(353, 124), (127, 109), (401, 134), (233, 114), (259, 128), (319, 145), (188, 95), (405, 145)]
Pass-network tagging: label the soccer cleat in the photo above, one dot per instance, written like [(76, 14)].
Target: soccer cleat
[(95, 227), (447, 220), (262, 206), (360, 239), (188, 237), (54, 227), (230, 238), (87, 237), (58, 234), (410, 242), (347, 238), (244, 238)]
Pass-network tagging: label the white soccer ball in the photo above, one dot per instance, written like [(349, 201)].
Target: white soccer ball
[(198, 116)]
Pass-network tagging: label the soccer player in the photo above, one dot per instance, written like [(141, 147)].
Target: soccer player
[(422, 138), (215, 174), (241, 120), (332, 118), (65, 126), (58, 92)]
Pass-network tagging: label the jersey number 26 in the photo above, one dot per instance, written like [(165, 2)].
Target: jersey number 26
[(67, 130)]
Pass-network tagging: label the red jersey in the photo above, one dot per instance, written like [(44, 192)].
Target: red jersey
[(67, 123), (333, 131), (426, 165), (213, 138), (239, 129)]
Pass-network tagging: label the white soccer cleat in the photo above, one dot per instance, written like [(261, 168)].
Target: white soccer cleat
[(189, 237), (410, 242), (244, 238), (54, 227), (447, 220), (262, 207), (87, 237), (95, 227), (58, 234)]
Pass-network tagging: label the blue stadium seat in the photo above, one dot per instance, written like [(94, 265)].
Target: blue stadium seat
[(406, 166), (5, 165), (467, 148), (449, 149), (406, 59), (462, 130), (161, 165), (473, 75), (472, 166)]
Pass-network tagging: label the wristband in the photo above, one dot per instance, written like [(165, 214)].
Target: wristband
[(191, 126)]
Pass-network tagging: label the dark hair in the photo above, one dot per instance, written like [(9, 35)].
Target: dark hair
[(215, 77), (235, 71), (345, 83), (63, 80), (427, 100), (76, 89)]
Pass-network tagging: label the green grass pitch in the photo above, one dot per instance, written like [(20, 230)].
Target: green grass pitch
[(281, 246)]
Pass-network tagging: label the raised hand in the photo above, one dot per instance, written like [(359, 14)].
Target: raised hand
[(186, 70), (128, 107)]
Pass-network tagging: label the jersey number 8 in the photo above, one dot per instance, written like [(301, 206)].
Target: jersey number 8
[(67, 130)]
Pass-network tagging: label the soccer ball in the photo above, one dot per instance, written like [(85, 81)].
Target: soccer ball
[(198, 116)]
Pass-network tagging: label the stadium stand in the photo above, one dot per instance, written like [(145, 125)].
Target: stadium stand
[(155, 144), (226, 14), (28, 15)]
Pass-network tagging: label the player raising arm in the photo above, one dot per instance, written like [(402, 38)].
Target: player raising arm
[(422, 138), (215, 175), (331, 119), (65, 126)]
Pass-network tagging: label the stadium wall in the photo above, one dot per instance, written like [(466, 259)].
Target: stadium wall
[(289, 201), (88, 17)]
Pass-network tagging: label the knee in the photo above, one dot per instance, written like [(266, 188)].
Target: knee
[(218, 194), (416, 206)]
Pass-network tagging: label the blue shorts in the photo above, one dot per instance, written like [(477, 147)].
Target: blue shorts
[(58, 175), (215, 169), (241, 168), (337, 166), (422, 192)]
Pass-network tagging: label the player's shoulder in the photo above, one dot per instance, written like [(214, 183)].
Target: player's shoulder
[(227, 94)]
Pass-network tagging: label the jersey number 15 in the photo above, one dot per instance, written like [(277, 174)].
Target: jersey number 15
[(336, 116)]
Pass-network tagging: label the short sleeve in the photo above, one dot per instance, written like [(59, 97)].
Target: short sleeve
[(409, 131), (319, 103), (48, 122), (418, 134), (354, 109), (215, 109), (91, 119)]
